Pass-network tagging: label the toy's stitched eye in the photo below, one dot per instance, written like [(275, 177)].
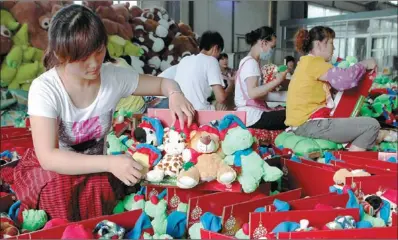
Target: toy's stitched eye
[(179, 141), (5, 32), (45, 23), (151, 132)]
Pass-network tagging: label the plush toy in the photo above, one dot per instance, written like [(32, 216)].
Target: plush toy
[(204, 161), (208, 221), (117, 47), (7, 227), (22, 64), (270, 72), (237, 145), (147, 155), (381, 205), (37, 16), (186, 30), (135, 11), (169, 226), (149, 131), (174, 143), (55, 222), (108, 230), (160, 15), (180, 47), (347, 62), (77, 231), (303, 146), (33, 219), (114, 145), (151, 25), (135, 201), (340, 176), (114, 16)]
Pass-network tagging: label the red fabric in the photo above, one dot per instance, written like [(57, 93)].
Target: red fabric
[(321, 113), (209, 129), (264, 135), (194, 156), (68, 197)]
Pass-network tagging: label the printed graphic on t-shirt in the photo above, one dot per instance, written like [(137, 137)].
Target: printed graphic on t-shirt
[(86, 136)]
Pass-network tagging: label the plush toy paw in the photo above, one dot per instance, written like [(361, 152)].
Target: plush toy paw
[(226, 175), (155, 175), (186, 182), (249, 183), (227, 178)]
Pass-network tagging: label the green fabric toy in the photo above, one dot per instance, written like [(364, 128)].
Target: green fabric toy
[(194, 230), (282, 68), (241, 235), (375, 221), (117, 46), (7, 20), (33, 219), (348, 62), (131, 204), (237, 144), (303, 146), (119, 208), (388, 146), (114, 145), (22, 64)]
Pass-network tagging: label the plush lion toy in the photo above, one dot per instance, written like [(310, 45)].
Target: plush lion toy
[(204, 160)]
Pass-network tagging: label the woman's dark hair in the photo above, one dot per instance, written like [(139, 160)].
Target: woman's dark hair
[(290, 59), (304, 38), (262, 33), (210, 39), (222, 56), (75, 33)]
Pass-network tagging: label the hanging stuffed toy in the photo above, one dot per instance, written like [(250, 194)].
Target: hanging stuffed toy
[(204, 160)]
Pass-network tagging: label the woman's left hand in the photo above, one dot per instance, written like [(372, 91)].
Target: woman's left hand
[(180, 107)]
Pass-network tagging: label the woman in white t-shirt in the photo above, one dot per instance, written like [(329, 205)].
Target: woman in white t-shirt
[(71, 108), (250, 94)]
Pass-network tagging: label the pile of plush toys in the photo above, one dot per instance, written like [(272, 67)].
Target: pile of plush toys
[(224, 151), (147, 39)]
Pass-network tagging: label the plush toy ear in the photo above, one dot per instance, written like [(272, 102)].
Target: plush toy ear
[(192, 134)]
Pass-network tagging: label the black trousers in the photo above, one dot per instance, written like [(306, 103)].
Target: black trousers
[(274, 120)]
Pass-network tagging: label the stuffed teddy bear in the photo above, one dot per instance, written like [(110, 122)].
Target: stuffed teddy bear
[(340, 176), (204, 160), (135, 11), (37, 16), (174, 143), (115, 17), (160, 15), (180, 47), (151, 25), (237, 144), (186, 30), (134, 62)]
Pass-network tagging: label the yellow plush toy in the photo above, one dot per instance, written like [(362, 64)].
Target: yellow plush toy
[(22, 64), (117, 46)]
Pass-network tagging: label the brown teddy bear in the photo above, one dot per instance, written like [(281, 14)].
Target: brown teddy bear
[(115, 17), (180, 47), (135, 11), (186, 30), (37, 15), (204, 160)]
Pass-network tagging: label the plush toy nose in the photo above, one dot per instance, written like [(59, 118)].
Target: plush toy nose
[(205, 140)]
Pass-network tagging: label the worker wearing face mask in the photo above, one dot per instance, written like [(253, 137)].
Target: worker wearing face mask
[(250, 93)]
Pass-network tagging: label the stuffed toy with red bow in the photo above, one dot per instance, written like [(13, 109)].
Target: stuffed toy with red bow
[(204, 160), (174, 143), (149, 131)]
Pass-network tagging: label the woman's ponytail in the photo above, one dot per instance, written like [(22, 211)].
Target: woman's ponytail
[(302, 41), (252, 37)]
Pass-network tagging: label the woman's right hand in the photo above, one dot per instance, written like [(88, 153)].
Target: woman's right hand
[(125, 168), (370, 63), (280, 77)]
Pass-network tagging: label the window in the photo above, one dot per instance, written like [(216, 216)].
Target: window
[(394, 2), (132, 3), (315, 11)]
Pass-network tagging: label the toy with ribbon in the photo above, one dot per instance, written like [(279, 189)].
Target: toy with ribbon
[(7, 227), (77, 231), (208, 221)]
